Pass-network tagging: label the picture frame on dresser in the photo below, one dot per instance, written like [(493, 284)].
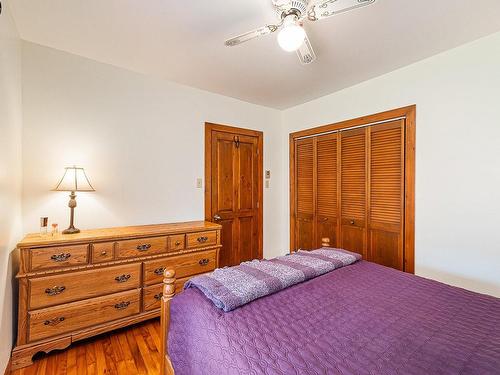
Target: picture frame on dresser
[(72, 287)]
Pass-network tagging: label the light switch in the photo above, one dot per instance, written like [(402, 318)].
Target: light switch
[(199, 183), (268, 175), (267, 184)]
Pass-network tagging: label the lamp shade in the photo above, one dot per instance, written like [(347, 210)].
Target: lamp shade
[(74, 179)]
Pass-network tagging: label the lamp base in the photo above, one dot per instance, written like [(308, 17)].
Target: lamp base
[(71, 230)]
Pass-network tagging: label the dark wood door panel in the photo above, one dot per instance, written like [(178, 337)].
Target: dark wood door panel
[(223, 154), (386, 181), (233, 198), (386, 248), (226, 255), (326, 227), (305, 233), (247, 239), (353, 239)]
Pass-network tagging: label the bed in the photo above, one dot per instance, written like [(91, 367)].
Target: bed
[(359, 319)]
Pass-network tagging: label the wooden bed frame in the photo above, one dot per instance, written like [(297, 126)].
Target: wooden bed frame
[(168, 294)]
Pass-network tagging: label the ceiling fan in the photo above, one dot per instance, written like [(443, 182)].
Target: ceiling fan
[(292, 14)]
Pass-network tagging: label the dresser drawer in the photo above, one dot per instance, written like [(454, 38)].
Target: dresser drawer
[(176, 242), (102, 252), (151, 295), (58, 289), (59, 256), (184, 266), (201, 239), (141, 247), (54, 321)]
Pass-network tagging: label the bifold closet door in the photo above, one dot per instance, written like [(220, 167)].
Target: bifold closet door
[(305, 199), (327, 189), (386, 198), (353, 204)]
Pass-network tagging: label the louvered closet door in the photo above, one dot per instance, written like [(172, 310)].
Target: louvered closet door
[(353, 190), (326, 189), (304, 220), (386, 182)]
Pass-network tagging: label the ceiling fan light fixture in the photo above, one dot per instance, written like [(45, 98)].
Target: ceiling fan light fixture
[(292, 35)]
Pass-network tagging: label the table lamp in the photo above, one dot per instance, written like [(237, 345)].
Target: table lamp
[(74, 179)]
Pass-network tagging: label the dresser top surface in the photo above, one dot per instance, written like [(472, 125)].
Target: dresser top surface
[(103, 234)]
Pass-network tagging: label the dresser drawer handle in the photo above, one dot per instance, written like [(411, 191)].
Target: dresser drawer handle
[(54, 291), (122, 278), (60, 257), (144, 247), (122, 305), (204, 262), (54, 322), (159, 271), (202, 239), (177, 243), (104, 253), (158, 296)]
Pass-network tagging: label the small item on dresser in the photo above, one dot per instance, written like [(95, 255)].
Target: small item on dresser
[(44, 223), (55, 229)]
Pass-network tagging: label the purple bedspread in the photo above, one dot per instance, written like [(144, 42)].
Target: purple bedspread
[(360, 319)]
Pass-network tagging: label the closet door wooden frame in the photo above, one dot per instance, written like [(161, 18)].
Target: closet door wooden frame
[(407, 214)]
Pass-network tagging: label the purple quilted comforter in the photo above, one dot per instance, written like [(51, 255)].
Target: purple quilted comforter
[(361, 319)]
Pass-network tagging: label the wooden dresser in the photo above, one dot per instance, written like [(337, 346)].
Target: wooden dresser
[(76, 286)]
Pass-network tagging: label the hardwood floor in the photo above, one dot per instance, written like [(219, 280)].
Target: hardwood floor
[(132, 350)]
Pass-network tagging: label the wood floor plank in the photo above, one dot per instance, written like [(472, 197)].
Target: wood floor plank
[(110, 356), (100, 358), (121, 341), (81, 360), (151, 364), (71, 361), (131, 351), (134, 348)]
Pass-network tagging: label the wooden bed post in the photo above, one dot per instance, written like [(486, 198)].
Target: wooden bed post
[(325, 242), (168, 294)]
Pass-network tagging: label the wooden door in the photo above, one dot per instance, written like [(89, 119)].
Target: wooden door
[(353, 190), (374, 185), (305, 200), (233, 196), (386, 198), (327, 189)]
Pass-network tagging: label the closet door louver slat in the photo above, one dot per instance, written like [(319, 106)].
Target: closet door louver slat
[(386, 180), (353, 190), (326, 205), (305, 199)]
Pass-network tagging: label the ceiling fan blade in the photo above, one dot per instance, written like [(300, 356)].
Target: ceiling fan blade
[(327, 8), (268, 29), (306, 53)]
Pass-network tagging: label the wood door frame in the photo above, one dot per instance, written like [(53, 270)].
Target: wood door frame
[(409, 113), (209, 127)]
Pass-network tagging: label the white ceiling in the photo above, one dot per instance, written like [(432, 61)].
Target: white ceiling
[(182, 40)]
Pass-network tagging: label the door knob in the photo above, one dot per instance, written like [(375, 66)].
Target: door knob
[(217, 217)]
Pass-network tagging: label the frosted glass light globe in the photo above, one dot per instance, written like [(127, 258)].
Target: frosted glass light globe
[(291, 37)]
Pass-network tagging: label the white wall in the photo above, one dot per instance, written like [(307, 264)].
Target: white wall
[(457, 94), (140, 139), (10, 176)]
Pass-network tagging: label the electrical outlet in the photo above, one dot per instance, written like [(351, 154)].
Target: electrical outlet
[(268, 175), (199, 183)]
